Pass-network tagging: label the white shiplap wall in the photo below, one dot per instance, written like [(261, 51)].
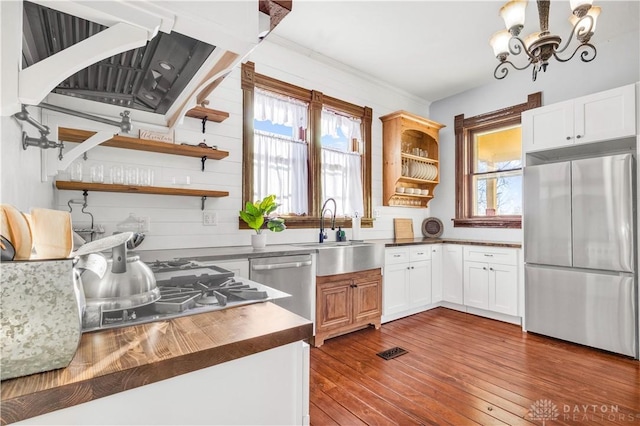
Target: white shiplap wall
[(176, 222)]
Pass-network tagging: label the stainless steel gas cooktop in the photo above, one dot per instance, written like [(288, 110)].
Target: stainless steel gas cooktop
[(186, 288)]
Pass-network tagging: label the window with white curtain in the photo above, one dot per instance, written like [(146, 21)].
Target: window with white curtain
[(342, 162), (304, 147), (280, 153)]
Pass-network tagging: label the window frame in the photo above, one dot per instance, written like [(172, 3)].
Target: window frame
[(249, 81), (464, 130)]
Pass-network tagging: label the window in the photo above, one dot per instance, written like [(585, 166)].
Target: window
[(305, 147), (280, 153), (342, 162), (489, 167)]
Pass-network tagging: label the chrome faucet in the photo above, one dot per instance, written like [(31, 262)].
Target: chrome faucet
[(323, 210)]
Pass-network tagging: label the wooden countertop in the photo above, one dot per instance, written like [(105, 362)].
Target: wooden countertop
[(112, 361)]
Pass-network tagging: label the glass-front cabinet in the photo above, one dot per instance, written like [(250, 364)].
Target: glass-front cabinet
[(411, 168)]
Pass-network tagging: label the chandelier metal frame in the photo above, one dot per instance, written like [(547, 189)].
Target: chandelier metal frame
[(547, 45)]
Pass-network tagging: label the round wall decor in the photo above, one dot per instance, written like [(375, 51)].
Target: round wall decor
[(432, 227)]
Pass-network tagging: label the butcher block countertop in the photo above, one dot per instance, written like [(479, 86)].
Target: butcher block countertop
[(116, 360)]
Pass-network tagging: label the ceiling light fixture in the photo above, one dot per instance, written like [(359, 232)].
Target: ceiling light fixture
[(541, 46)]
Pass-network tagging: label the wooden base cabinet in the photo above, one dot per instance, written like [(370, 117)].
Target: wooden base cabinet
[(347, 302)]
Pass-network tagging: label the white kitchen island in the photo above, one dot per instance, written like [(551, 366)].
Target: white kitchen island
[(245, 365)]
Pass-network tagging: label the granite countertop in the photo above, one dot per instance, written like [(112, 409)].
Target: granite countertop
[(223, 253), (116, 360), (422, 240), (248, 252)]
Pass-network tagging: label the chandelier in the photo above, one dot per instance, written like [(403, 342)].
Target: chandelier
[(539, 47)]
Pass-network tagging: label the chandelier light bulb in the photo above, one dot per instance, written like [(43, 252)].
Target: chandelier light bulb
[(500, 44), (583, 24), (528, 41), (580, 7), (513, 15)]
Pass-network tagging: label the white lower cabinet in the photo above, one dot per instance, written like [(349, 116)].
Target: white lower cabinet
[(275, 382), (478, 279), (436, 273), (406, 287), (491, 284), (452, 273)]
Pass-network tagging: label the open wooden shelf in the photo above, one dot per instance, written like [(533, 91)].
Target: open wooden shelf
[(133, 189), (402, 134), (79, 136), (418, 158), (211, 114)]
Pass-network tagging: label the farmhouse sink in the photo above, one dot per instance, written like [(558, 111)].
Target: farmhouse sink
[(344, 257)]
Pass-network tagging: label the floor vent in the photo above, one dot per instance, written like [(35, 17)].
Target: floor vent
[(392, 353)]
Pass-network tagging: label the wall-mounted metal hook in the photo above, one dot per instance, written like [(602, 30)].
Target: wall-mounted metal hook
[(203, 199), (203, 159), (204, 123)]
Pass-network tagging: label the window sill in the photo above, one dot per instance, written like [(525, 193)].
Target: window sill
[(514, 222), (308, 222)]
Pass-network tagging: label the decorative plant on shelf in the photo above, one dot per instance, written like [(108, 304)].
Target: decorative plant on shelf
[(256, 214)]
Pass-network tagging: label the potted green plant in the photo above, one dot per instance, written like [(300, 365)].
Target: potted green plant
[(256, 215)]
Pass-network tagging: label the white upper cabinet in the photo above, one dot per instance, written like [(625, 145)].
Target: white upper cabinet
[(602, 116)]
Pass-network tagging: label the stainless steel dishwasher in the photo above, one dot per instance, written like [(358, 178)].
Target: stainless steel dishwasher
[(292, 274)]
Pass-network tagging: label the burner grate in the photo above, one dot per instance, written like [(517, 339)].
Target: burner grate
[(392, 353)]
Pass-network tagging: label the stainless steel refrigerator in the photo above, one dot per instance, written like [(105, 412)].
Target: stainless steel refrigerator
[(579, 247)]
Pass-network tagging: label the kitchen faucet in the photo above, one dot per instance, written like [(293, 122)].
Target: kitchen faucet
[(323, 234)]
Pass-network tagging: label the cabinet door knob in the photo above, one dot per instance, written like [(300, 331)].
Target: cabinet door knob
[(484, 267), (491, 269), (568, 138), (578, 136)]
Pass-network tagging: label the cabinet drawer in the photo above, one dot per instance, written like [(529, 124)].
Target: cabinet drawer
[(396, 255), (499, 255), (417, 253)]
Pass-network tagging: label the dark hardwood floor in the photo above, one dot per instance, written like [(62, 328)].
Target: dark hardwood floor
[(463, 369)]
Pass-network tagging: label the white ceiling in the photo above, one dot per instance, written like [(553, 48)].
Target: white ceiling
[(431, 49)]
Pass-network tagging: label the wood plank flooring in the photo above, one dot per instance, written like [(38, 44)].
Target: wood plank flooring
[(463, 369)]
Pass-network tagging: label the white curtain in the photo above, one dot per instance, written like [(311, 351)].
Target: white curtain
[(342, 180), (281, 110), (280, 167), (351, 127)]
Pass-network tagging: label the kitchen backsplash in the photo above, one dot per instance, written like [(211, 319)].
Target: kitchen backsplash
[(177, 221)]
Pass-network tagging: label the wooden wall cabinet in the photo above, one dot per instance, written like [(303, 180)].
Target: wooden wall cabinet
[(347, 302), (410, 156)]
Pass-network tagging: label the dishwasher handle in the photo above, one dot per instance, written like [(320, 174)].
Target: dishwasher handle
[(287, 265)]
